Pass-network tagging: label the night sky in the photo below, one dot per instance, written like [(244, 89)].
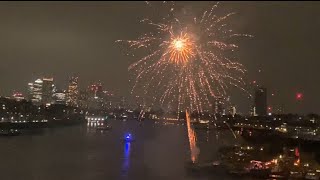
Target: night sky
[(61, 39)]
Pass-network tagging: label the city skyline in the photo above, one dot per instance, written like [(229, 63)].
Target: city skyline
[(38, 42)]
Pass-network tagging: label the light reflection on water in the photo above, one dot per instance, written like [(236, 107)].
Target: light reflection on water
[(126, 160), (192, 140)]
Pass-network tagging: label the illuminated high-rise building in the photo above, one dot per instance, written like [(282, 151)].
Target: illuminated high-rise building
[(99, 92), (95, 96), (91, 91), (35, 91), (109, 99), (260, 101), (47, 90), (73, 92), (30, 91), (59, 97), (95, 90)]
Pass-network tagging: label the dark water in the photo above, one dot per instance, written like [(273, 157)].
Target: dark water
[(81, 153)]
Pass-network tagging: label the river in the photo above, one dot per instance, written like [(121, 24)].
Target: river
[(82, 153)]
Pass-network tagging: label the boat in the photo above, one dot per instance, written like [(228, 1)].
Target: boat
[(103, 128), (200, 126), (312, 175), (128, 138), (9, 132), (278, 175), (296, 175)]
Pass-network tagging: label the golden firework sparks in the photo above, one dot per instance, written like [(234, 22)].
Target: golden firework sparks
[(183, 66), (181, 49)]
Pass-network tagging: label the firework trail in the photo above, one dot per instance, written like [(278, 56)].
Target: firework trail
[(234, 135), (141, 115), (185, 63)]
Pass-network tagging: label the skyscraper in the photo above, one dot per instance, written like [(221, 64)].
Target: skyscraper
[(99, 92), (260, 101), (73, 92), (35, 91), (30, 91), (59, 97), (95, 96), (96, 91), (47, 90)]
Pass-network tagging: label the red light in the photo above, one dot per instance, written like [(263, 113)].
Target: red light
[(299, 96), (269, 108), (297, 153), (254, 82)]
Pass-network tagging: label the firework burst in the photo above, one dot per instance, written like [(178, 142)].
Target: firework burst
[(185, 62)]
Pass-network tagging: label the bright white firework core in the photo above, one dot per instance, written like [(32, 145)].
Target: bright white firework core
[(178, 44)]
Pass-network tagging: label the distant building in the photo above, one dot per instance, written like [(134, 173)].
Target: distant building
[(35, 91), (17, 96), (260, 101), (95, 97), (59, 97), (30, 91), (83, 99), (73, 92), (99, 90), (41, 91), (47, 90), (95, 90), (109, 100), (95, 103)]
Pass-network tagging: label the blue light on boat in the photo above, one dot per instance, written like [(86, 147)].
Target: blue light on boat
[(128, 137)]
